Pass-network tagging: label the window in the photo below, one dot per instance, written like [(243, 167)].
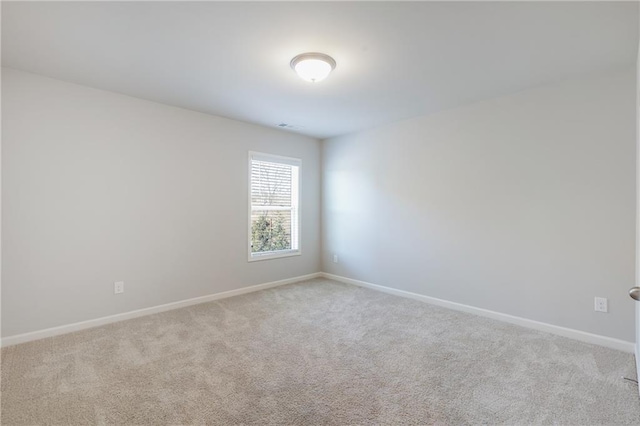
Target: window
[(274, 198)]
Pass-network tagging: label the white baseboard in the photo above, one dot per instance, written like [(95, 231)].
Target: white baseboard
[(69, 328), (582, 336)]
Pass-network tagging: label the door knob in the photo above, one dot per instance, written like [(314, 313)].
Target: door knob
[(634, 292)]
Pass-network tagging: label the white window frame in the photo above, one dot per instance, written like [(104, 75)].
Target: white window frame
[(295, 233)]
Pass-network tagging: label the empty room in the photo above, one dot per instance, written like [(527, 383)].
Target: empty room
[(319, 213)]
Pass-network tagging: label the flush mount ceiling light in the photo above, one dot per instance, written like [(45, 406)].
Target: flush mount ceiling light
[(312, 66)]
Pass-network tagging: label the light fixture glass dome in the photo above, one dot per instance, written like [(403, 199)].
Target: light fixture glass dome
[(313, 67)]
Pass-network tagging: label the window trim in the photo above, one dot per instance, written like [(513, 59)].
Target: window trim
[(261, 156)]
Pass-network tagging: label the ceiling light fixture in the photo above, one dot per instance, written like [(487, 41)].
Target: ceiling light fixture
[(313, 66)]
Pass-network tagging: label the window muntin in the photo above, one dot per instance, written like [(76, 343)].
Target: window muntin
[(274, 197)]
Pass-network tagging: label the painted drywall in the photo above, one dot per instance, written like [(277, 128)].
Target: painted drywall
[(523, 205), (637, 280), (98, 187)]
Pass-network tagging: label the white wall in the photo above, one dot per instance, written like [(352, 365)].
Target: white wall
[(99, 187), (637, 277), (523, 205)]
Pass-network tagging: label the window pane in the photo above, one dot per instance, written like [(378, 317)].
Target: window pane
[(270, 184), (270, 230)]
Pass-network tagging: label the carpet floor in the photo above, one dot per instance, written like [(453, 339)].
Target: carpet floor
[(315, 353)]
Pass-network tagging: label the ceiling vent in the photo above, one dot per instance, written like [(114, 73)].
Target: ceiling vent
[(290, 126)]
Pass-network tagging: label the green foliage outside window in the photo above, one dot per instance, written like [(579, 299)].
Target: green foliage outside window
[(268, 233)]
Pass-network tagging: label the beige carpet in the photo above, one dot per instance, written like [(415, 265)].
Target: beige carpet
[(315, 353)]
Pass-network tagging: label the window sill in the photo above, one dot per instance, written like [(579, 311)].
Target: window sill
[(254, 257)]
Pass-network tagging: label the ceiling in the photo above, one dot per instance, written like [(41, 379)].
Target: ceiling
[(395, 60)]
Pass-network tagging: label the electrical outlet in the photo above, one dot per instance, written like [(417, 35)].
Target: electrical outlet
[(601, 304), (335, 258), (118, 287)]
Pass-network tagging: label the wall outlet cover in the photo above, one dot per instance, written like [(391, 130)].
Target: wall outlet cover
[(601, 304)]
